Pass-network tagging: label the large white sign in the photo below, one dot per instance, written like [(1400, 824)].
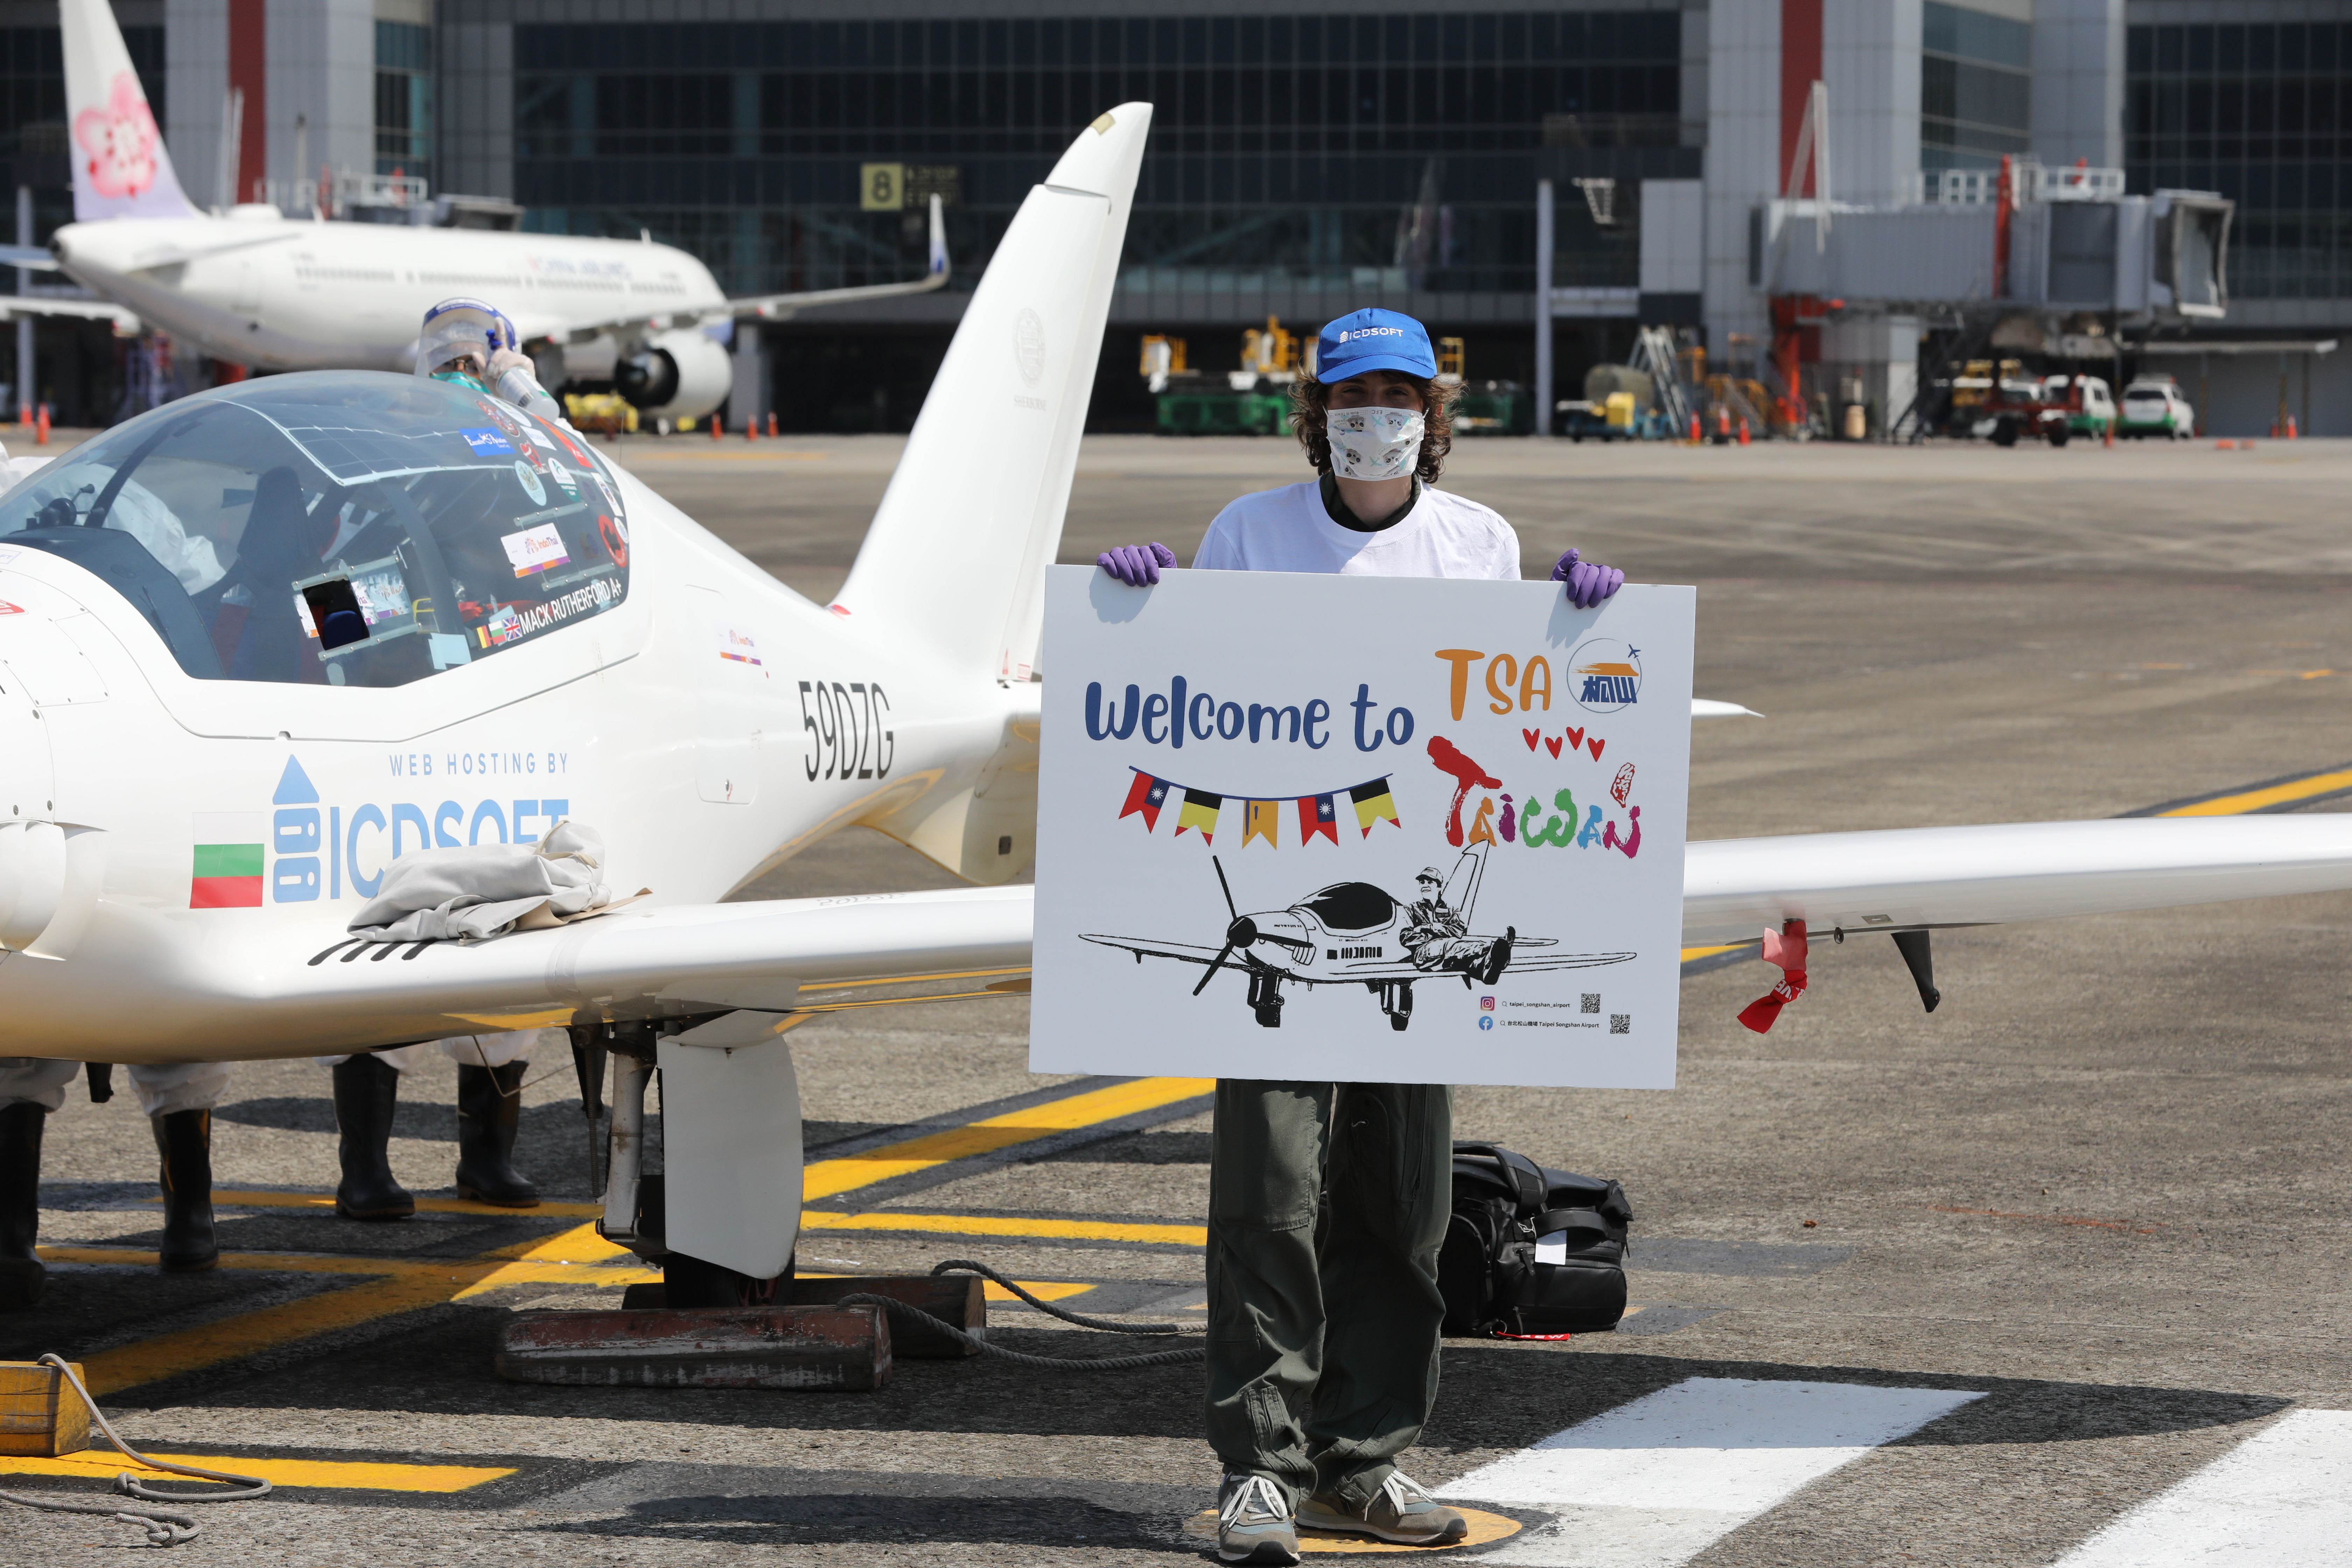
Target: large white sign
[(1361, 829)]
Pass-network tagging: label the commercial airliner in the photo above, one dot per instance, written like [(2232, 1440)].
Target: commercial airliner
[(256, 288)]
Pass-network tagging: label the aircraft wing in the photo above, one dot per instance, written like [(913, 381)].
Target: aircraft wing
[(32, 258), (757, 307), (1185, 951), (14, 305), (1921, 878), (1525, 963), (633, 964)]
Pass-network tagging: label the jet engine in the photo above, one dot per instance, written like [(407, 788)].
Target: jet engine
[(675, 376)]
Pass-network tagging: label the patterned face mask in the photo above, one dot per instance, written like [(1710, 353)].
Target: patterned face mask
[(1374, 443)]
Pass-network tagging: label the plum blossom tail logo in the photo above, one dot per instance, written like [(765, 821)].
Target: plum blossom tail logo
[(118, 141)]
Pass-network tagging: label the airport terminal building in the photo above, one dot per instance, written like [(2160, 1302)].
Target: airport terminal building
[(1308, 157)]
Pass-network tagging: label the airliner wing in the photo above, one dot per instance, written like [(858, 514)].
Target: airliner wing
[(14, 305), (782, 306), (754, 307), (1920, 877)]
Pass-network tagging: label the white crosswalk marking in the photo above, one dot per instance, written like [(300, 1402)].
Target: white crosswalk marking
[(2281, 1497), (1654, 1483)]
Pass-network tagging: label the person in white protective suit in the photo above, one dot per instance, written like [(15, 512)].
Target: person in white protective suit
[(178, 1101), (471, 343), (490, 1108)]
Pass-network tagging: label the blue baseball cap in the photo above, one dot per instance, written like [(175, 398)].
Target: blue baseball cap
[(1373, 339)]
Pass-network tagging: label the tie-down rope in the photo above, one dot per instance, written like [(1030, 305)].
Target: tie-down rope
[(164, 1529), (1020, 1358)]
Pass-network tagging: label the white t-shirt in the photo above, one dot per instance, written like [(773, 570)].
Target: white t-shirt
[(1289, 530)]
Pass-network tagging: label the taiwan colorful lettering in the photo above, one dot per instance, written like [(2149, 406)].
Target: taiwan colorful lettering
[(1530, 823)]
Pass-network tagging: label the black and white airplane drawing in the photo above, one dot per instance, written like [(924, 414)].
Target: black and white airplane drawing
[(1353, 933)]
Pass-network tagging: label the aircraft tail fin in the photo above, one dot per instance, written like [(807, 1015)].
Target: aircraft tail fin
[(120, 168), (954, 563)]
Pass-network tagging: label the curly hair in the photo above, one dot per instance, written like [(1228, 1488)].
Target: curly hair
[(1310, 403)]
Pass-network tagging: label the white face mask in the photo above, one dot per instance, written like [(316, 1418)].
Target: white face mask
[(1374, 443)]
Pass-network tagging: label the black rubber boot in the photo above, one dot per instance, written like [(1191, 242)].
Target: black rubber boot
[(184, 1139), (489, 1107), (22, 1278), (367, 1088)]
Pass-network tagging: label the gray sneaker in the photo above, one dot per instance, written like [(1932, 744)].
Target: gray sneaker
[(1399, 1512), (1253, 1522)]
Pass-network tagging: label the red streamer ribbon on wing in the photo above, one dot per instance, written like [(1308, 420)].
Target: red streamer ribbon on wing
[(1785, 949)]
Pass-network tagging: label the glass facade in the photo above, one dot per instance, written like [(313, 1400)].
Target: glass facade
[(1390, 152), (1974, 88), (2263, 114), (404, 98)]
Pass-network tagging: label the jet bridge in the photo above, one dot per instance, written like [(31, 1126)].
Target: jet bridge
[(2056, 240)]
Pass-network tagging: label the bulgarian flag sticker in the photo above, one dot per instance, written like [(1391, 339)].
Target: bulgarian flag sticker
[(228, 871)]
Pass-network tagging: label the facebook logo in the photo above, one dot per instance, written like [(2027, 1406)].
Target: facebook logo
[(487, 441)]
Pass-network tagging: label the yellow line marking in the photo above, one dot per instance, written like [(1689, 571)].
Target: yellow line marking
[(990, 1224), (829, 1178), (235, 1198), (579, 1256), (2256, 799), (360, 1476), (917, 979), (1689, 953)]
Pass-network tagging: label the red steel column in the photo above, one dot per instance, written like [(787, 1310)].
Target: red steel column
[(248, 69), (1800, 66)]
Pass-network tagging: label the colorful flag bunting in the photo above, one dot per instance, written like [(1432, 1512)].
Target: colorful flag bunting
[(1199, 810), (1146, 794), (1318, 814), (1374, 803), (1258, 819)]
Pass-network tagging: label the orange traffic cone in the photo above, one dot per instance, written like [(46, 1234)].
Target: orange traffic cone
[(1722, 422), (771, 423), (714, 422), (1695, 435), (2291, 433), (752, 428), (41, 429), (1743, 432)]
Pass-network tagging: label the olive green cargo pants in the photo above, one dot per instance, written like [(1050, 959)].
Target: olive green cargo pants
[(1323, 1340)]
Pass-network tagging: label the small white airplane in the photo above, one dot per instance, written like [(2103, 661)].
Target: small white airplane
[(198, 794), (255, 287), (1353, 933)]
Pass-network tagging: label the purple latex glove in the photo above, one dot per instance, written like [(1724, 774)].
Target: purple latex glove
[(1136, 566), (1587, 581)]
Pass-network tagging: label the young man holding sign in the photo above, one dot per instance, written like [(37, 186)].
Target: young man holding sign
[(1327, 1202)]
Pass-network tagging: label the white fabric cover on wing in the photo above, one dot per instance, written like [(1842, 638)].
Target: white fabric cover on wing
[(473, 892)]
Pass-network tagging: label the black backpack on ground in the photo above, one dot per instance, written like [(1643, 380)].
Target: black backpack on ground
[(1488, 1273)]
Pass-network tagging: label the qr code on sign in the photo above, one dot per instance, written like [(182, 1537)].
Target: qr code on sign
[(1621, 1023), (1591, 1002)]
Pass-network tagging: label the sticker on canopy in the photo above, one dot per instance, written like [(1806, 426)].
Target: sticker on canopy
[(536, 550), (563, 476), (611, 498), (538, 436), (486, 441), (530, 482)]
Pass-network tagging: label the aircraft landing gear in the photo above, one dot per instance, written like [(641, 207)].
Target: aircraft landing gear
[(1396, 1001), (1266, 999)]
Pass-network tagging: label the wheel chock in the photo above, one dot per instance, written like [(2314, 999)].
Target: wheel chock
[(830, 1349), (958, 1298)]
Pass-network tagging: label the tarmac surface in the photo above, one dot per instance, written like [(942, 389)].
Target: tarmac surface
[(1959, 1288)]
